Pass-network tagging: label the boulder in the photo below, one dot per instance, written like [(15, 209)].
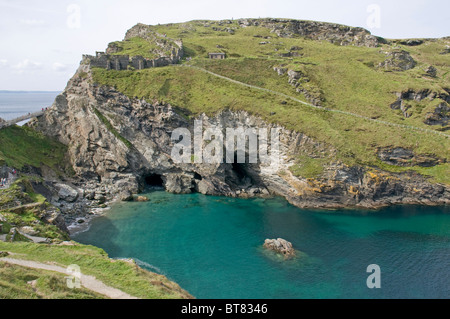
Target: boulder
[(412, 42), (295, 75), (126, 196), (90, 195), (27, 230), (280, 70), (141, 199), (179, 183), (280, 246), (54, 217), (67, 193), (431, 71), (398, 60), (446, 50), (441, 115)]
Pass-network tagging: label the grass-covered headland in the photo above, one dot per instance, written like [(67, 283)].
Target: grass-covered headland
[(348, 79)]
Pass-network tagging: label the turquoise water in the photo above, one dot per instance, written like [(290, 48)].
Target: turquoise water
[(212, 247)]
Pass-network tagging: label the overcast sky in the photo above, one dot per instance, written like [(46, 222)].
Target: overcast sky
[(42, 41)]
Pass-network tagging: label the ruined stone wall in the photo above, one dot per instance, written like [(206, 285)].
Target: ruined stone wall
[(124, 62)]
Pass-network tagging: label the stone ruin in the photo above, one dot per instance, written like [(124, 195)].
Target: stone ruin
[(125, 62)]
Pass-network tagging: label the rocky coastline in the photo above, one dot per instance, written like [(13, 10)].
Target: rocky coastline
[(118, 146)]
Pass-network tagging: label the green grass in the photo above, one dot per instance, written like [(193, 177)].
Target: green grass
[(16, 283), (355, 139), (22, 147), (136, 46), (22, 191), (94, 261), (346, 78), (308, 167)]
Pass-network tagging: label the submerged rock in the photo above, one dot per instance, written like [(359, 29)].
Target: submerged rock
[(280, 246), (141, 199)]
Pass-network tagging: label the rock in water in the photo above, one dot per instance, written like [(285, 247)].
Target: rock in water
[(141, 199), (280, 246)]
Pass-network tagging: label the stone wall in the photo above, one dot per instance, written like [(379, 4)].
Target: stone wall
[(125, 62)]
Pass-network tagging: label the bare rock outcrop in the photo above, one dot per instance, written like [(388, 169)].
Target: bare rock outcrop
[(398, 60), (118, 145), (440, 116), (280, 246), (406, 158), (335, 33)]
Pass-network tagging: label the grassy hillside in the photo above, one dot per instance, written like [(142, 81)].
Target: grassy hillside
[(23, 147), (30, 210), (92, 261), (18, 282), (345, 78)]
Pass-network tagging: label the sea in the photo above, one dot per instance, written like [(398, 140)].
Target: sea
[(17, 103), (213, 247)]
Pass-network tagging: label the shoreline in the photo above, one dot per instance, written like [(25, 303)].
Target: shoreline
[(76, 228)]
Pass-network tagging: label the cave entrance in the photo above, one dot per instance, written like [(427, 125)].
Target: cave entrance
[(154, 180), (240, 171), (239, 176)]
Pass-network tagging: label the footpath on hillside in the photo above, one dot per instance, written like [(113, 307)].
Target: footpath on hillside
[(315, 106), (89, 282)]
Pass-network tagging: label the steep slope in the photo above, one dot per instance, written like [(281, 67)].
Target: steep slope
[(363, 120)]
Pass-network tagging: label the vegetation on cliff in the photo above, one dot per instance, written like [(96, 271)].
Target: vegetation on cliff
[(24, 211), (93, 261), (342, 78), (24, 148)]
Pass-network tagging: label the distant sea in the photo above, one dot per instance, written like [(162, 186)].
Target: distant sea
[(16, 103)]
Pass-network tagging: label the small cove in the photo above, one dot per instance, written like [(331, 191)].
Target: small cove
[(212, 247)]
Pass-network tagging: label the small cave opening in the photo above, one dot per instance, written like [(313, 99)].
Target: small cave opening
[(198, 177), (239, 176), (154, 180), (239, 170)]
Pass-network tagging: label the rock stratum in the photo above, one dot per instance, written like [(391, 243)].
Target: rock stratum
[(119, 144)]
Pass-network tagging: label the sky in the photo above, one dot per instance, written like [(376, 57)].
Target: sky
[(42, 41)]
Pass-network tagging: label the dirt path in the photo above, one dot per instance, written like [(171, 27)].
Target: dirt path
[(89, 282)]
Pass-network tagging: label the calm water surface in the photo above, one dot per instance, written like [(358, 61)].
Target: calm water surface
[(212, 247)]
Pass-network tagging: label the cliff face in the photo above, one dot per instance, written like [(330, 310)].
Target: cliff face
[(118, 145)]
